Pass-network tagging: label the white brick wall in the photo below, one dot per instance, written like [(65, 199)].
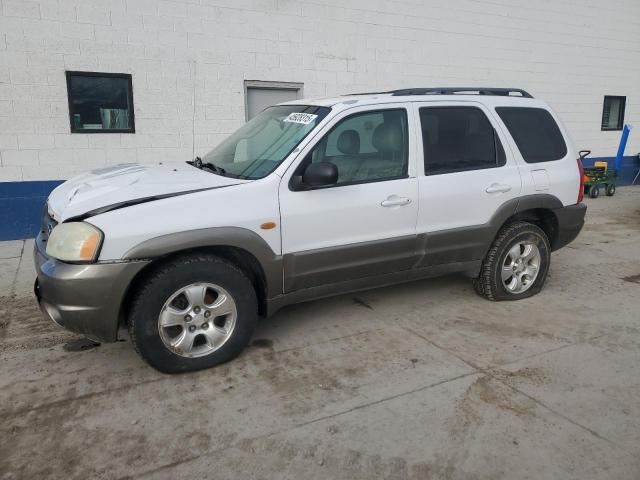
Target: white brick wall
[(569, 52)]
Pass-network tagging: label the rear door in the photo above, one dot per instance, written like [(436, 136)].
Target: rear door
[(468, 174)]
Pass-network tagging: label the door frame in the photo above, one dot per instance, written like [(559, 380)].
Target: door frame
[(268, 85)]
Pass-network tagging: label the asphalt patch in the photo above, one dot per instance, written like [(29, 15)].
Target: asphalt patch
[(362, 303), (80, 345), (632, 278), (262, 343)]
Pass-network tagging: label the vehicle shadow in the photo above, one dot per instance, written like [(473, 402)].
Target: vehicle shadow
[(354, 312)]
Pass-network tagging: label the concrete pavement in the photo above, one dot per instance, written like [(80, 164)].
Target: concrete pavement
[(418, 381)]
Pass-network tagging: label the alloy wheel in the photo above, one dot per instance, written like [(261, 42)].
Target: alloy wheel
[(197, 319), (520, 267)]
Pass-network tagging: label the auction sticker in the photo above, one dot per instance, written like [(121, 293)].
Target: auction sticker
[(303, 118)]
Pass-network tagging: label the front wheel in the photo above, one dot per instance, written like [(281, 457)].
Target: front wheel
[(193, 313), (516, 265), (594, 191)]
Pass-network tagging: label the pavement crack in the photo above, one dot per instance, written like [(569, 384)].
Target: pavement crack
[(44, 406), (15, 276), (565, 417), (489, 373), (329, 340), (534, 355), (293, 427), (440, 347), (386, 399)]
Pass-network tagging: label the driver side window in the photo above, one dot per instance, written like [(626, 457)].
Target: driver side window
[(367, 147)]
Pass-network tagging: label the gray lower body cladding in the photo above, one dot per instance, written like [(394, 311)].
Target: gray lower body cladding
[(335, 270), (87, 298), (570, 223), (83, 298), (313, 268)]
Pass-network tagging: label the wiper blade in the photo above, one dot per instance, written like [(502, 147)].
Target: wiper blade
[(214, 168), (196, 162), (199, 164)]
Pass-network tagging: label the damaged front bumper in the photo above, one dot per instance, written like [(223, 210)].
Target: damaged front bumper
[(83, 298)]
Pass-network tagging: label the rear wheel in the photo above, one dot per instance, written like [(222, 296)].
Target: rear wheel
[(594, 191), (192, 313), (516, 265), (611, 190)]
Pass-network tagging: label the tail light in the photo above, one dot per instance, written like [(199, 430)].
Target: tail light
[(582, 180)]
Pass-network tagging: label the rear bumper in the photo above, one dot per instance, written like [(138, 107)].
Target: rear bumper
[(85, 298), (570, 223)]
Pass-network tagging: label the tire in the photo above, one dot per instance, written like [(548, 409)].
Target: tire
[(219, 282), (610, 191), (594, 191), (490, 283)]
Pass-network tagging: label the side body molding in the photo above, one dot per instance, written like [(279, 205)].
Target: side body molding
[(313, 268), (237, 237)]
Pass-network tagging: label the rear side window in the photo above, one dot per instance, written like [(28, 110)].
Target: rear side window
[(456, 139), (535, 132)]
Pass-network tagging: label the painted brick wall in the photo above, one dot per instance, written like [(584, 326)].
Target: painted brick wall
[(569, 52)]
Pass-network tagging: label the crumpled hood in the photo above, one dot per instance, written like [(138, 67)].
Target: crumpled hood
[(126, 184)]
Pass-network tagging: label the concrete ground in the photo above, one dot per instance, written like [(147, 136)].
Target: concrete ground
[(419, 381)]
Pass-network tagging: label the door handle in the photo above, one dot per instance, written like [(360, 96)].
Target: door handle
[(395, 201), (498, 188)]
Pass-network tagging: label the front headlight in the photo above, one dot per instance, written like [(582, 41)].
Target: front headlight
[(74, 242)]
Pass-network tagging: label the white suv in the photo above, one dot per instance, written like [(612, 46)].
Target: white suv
[(309, 199)]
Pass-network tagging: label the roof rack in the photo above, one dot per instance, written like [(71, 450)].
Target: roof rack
[(504, 92)]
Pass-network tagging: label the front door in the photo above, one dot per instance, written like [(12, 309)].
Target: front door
[(364, 224)]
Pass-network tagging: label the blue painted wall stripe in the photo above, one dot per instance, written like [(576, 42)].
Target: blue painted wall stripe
[(27, 189), (21, 207), (21, 202)]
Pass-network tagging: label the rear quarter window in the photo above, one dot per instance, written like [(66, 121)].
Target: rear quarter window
[(535, 132)]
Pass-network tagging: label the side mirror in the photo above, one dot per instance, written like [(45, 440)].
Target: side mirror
[(321, 174)]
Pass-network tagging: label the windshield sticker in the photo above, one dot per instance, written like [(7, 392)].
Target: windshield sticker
[(303, 118)]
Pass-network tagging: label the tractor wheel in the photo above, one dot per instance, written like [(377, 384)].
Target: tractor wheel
[(611, 190)]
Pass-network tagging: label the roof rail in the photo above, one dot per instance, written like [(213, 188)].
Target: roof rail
[(504, 92)]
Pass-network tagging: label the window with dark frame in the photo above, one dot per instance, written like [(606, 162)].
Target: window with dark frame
[(613, 112), (100, 102), (458, 139), (535, 132)]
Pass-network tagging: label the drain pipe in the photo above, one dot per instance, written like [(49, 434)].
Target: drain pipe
[(623, 143)]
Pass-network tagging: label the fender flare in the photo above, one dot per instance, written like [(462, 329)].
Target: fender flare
[(237, 237)]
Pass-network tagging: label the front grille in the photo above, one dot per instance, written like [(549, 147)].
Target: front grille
[(48, 224)]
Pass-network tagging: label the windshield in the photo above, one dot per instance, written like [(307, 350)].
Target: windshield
[(261, 144)]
